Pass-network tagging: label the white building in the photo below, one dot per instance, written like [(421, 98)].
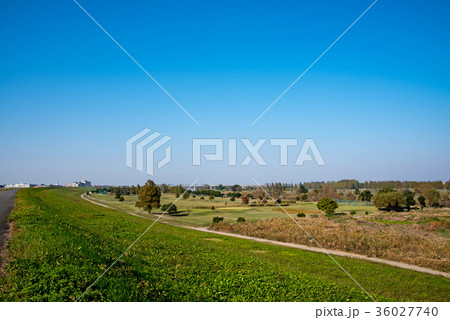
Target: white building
[(82, 183)]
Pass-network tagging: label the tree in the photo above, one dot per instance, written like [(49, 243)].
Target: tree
[(169, 208), (149, 196), (186, 194), (133, 190), (327, 205), (236, 187), (366, 195), (357, 192), (244, 199), (421, 200), (432, 197), (302, 189), (117, 193), (391, 200), (304, 197), (409, 200), (211, 197)]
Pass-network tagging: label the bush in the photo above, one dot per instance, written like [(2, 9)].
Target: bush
[(240, 219), (217, 219), (327, 205), (233, 199), (169, 208), (121, 198), (304, 197), (297, 198), (202, 198), (353, 212), (389, 200), (301, 215), (213, 208), (367, 213)]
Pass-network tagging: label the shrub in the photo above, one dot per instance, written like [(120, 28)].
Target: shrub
[(353, 212), (211, 197), (213, 208), (301, 215), (327, 205), (367, 212), (304, 197), (389, 200), (233, 199), (297, 198), (240, 219), (169, 208), (421, 200), (121, 198), (217, 219), (202, 198)]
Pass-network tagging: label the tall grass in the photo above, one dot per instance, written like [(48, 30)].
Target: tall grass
[(409, 243)]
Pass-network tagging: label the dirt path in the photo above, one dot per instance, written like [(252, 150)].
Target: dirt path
[(297, 246)]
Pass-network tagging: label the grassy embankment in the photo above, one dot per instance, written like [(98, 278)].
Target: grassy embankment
[(62, 243)]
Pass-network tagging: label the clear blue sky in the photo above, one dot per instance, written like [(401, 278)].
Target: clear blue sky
[(377, 104)]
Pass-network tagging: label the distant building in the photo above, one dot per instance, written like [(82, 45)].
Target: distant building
[(20, 185), (71, 185), (85, 183), (82, 183)]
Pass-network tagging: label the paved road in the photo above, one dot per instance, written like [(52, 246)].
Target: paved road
[(7, 198)]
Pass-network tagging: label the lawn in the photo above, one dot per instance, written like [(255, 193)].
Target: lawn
[(223, 207), (62, 243)]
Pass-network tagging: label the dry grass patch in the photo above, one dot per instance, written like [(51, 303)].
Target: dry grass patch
[(410, 243)]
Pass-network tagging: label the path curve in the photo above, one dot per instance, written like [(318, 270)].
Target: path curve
[(297, 246)]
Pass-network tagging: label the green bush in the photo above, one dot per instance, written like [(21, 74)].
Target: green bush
[(327, 205), (213, 208), (301, 215), (240, 219), (169, 208), (353, 212), (217, 219), (121, 198), (367, 213)]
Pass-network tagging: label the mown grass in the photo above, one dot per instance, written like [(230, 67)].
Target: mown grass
[(222, 207), (62, 243)]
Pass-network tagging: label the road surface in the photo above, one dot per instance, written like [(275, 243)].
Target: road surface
[(7, 198)]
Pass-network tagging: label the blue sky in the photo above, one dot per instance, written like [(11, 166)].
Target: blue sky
[(377, 104)]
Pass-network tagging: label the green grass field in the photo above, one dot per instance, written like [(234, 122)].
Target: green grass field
[(62, 243), (223, 207)]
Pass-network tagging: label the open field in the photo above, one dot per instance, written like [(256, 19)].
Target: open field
[(190, 214), (62, 243), (416, 237)]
